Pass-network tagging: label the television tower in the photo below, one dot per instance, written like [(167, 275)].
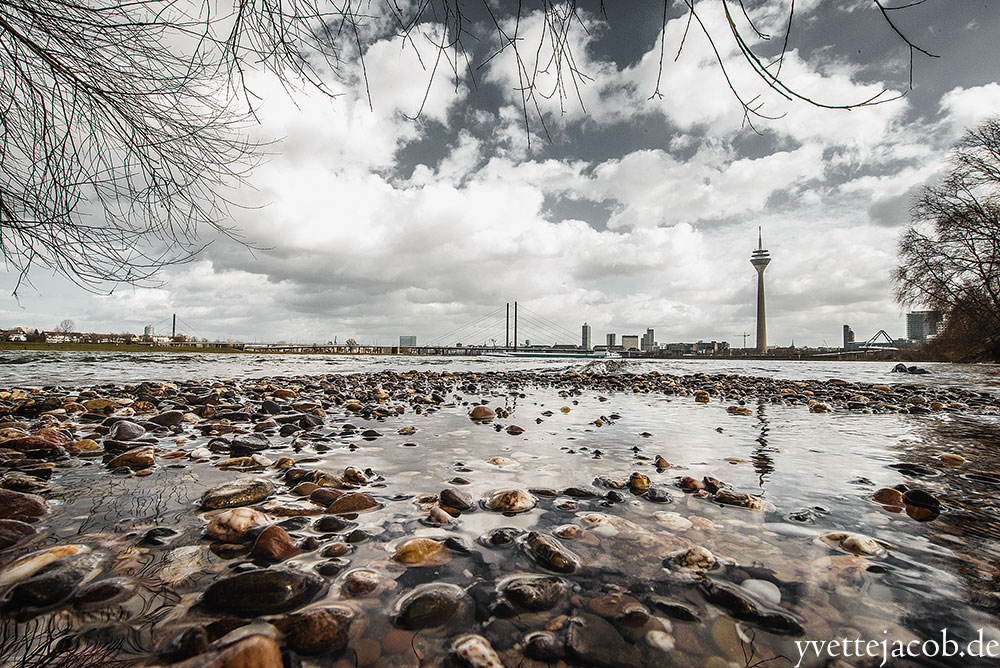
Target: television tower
[(760, 259)]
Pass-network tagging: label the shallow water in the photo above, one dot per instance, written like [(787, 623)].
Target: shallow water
[(816, 472)]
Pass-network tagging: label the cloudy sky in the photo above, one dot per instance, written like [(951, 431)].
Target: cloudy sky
[(625, 210)]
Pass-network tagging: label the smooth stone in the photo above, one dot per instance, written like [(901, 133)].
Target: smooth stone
[(456, 499), (431, 605), (596, 642), (509, 501), (853, 543), (500, 537), (254, 651), (763, 589), (322, 495), (638, 482), (660, 640), (262, 592), (236, 493), (136, 458), (423, 552), (331, 524), (168, 418), (362, 582), (658, 494), (233, 525), (353, 502), (533, 592), (274, 544), (13, 532), (550, 554), (694, 558), (249, 443), (482, 413), (33, 562), (47, 587), (888, 496), (18, 504), (921, 499), (319, 630), (673, 521), (104, 594), (476, 651), (124, 430), (731, 498), (544, 646)]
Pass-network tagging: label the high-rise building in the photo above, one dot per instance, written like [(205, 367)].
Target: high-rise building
[(630, 342), (848, 337), (922, 325), (586, 336), (760, 259), (611, 340), (148, 330), (647, 341), (407, 342)]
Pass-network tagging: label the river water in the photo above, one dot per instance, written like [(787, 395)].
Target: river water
[(816, 472), (41, 368)]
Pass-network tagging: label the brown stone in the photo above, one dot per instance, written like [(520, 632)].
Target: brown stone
[(13, 532), (423, 552), (352, 503), (274, 544), (17, 504), (888, 496), (321, 630), (256, 651), (482, 413), (136, 458)]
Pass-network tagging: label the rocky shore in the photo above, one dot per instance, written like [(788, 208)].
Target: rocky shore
[(326, 520)]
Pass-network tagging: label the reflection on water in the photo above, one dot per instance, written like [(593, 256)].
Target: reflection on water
[(816, 472)]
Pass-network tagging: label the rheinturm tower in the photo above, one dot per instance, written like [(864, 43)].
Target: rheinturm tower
[(760, 259)]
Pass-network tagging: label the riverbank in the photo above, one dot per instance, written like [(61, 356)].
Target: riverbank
[(400, 518), (114, 347)]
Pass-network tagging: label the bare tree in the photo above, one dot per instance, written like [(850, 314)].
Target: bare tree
[(949, 258), (122, 121), (66, 326)]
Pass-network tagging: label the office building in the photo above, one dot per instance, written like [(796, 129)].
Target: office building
[(647, 341), (630, 342), (148, 330), (760, 259), (585, 335), (407, 342), (848, 337), (611, 341), (922, 325)]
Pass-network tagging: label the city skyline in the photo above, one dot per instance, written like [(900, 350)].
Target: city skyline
[(633, 214)]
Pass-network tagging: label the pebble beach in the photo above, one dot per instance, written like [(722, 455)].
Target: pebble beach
[(584, 517)]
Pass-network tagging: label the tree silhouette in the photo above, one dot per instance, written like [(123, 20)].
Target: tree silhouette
[(949, 258)]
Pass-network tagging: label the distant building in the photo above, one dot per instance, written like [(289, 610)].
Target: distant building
[(922, 325), (630, 342), (848, 337), (647, 341), (611, 341), (585, 335), (407, 342), (148, 330)]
